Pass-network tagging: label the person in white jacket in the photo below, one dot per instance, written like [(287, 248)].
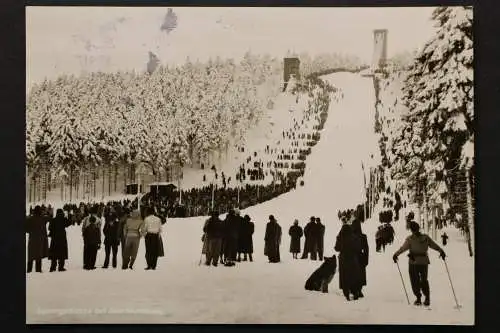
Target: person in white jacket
[(152, 230)]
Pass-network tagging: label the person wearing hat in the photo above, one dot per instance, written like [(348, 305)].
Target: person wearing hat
[(58, 250), (214, 233), (38, 244), (418, 245), (348, 244), (409, 218), (296, 234), (230, 237), (247, 231), (239, 234), (310, 244), (320, 238), (272, 240)]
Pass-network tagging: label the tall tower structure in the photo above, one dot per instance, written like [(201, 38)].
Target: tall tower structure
[(379, 49), (291, 67)]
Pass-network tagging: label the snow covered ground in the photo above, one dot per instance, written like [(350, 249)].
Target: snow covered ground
[(180, 291)]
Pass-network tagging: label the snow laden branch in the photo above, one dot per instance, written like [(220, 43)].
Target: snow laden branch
[(171, 116), (435, 133)]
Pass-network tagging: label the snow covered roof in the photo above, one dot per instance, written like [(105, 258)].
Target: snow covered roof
[(162, 184)]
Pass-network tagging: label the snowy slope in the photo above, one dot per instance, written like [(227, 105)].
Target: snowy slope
[(180, 291)]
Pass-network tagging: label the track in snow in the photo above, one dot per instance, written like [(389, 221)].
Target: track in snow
[(180, 291)]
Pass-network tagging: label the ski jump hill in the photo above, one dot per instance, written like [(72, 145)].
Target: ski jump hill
[(181, 291)]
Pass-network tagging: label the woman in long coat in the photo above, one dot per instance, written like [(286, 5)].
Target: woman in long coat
[(272, 240), (247, 231), (58, 251), (363, 254), (296, 234), (38, 243), (349, 268), (310, 244)]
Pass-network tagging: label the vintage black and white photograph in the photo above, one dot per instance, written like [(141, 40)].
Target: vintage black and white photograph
[(250, 165)]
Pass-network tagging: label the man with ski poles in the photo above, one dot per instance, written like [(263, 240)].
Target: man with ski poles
[(418, 245)]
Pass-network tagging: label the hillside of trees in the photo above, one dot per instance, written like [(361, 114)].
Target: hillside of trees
[(427, 129)]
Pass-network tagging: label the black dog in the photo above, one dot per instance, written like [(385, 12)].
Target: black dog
[(319, 280)]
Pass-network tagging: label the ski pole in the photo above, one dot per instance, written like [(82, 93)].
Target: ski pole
[(403, 282), (451, 284), (201, 254)]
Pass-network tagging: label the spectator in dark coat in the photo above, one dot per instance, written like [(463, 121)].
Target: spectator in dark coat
[(204, 239), (363, 255), (230, 237), (122, 221), (91, 242), (320, 238), (409, 218), (239, 231), (247, 231), (296, 234), (444, 238), (310, 245), (38, 244), (214, 233), (112, 236), (58, 251), (349, 247), (272, 240)]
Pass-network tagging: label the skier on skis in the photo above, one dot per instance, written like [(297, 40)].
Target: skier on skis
[(418, 245)]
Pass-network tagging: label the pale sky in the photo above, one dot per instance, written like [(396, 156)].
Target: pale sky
[(71, 39)]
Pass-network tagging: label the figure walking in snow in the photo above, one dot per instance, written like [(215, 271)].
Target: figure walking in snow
[(310, 244), (378, 238), (230, 237), (320, 238), (152, 238), (444, 238), (58, 251), (272, 240), (122, 222), (410, 218), (213, 230), (133, 232), (38, 246), (247, 230), (418, 245), (363, 255), (296, 234), (91, 242), (349, 246), (112, 236)]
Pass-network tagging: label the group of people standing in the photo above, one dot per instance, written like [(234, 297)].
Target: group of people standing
[(384, 236), (127, 230), (123, 227), (226, 241), (314, 233)]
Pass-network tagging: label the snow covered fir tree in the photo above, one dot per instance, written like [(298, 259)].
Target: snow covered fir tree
[(430, 145), (203, 175)]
